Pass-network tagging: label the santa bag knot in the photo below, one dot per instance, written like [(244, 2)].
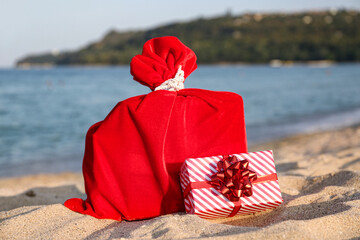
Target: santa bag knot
[(164, 64), (173, 84)]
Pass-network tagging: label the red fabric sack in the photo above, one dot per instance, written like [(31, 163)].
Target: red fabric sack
[(133, 157)]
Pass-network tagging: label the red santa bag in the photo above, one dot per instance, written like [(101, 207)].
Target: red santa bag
[(133, 157)]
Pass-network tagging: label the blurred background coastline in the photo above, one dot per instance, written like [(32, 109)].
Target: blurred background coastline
[(314, 37)]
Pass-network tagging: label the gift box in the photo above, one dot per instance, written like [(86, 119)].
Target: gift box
[(224, 186)]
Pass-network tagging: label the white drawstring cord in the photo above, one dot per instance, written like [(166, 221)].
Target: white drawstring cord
[(173, 84)]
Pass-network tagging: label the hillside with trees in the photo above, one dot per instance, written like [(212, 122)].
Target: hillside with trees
[(250, 38)]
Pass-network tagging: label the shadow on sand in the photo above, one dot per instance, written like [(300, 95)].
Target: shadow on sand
[(40, 196)]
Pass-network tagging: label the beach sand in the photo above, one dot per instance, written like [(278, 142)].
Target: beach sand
[(319, 176)]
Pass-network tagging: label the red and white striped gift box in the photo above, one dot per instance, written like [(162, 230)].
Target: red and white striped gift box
[(210, 203)]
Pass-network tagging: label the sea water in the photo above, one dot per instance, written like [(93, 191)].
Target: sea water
[(45, 113)]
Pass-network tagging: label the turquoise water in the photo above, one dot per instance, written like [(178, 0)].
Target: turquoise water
[(45, 113)]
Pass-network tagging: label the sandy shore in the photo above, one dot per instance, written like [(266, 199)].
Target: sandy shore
[(319, 177)]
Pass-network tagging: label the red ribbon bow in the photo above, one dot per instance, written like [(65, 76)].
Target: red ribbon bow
[(234, 178)]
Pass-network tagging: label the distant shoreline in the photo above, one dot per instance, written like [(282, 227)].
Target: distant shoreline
[(278, 38), (275, 63)]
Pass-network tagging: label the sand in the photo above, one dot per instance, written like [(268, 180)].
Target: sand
[(319, 176)]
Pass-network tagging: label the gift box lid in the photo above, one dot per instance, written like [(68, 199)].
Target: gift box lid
[(201, 169)]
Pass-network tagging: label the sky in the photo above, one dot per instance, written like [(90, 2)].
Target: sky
[(38, 26)]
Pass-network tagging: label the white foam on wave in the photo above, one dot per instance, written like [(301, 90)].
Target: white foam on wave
[(257, 134)]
